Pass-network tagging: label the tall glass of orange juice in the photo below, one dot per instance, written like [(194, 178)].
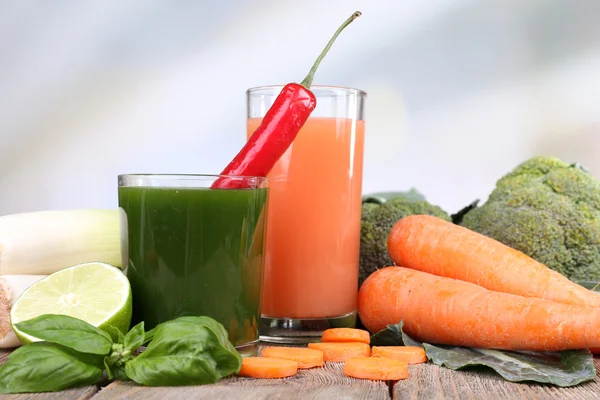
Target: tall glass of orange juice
[(313, 222)]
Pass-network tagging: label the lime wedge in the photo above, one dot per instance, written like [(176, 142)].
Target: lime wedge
[(97, 293)]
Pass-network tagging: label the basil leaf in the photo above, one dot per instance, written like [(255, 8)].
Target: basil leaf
[(135, 337), (208, 322), (68, 331), (212, 324), (568, 368), (185, 351), (45, 367), (115, 334), (115, 372), (149, 335)]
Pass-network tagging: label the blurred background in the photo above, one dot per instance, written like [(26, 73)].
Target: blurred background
[(459, 91)]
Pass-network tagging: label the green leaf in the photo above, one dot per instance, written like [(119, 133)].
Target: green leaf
[(45, 367), (210, 323), (115, 334), (216, 327), (68, 331), (135, 337), (115, 372), (568, 368), (185, 351), (393, 336), (458, 217), (149, 335)]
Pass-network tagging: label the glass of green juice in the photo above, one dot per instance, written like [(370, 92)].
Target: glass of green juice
[(194, 250)]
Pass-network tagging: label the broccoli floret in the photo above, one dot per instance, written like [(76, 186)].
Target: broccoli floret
[(549, 210), (376, 223)]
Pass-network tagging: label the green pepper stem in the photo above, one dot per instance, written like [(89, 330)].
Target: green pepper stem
[(311, 74)]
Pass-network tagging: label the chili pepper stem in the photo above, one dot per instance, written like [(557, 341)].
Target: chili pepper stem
[(311, 74)]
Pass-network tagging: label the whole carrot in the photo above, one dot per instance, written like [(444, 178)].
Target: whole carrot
[(432, 245), (449, 311)]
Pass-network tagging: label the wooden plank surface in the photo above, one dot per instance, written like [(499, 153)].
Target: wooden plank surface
[(84, 393), (428, 381), (320, 383)]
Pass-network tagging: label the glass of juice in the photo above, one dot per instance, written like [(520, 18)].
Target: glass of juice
[(313, 229), (196, 251)]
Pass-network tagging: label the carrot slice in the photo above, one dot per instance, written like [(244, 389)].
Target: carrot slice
[(306, 358), (346, 335), (341, 351), (267, 367), (408, 354), (377, 369)]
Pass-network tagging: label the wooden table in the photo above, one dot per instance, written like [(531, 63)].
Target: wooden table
[(427, 381)]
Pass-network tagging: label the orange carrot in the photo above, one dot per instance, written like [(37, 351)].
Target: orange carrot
[(442, 248), (340, 351), (306, 358), (346, 335), (448, 311), (383, 369), (408, 354), (266, 367)]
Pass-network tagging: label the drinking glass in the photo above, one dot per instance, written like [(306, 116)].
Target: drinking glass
[(313, 229), (196, 251)]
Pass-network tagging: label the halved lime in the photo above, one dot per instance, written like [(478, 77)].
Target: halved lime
[(97, 293)]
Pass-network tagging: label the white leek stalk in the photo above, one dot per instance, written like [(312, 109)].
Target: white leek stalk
[(11, 287), (43, 242)]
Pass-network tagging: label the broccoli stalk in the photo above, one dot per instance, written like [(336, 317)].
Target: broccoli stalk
[(549, 210)]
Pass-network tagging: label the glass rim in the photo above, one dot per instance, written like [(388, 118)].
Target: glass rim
[(170, 179), (189, 176), (331, 87)]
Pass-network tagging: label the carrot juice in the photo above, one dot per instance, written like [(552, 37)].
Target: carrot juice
[(313, 223)]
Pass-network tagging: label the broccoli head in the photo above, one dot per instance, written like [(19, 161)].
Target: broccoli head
[(377, 221), (549, 210)]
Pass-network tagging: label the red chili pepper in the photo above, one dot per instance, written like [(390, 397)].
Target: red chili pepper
[(279, 127)]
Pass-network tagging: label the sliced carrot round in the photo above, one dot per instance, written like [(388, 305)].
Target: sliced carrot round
[(306, 358), (377, 369), (346, 335), (267, 367), (409, 354), (341, 351)]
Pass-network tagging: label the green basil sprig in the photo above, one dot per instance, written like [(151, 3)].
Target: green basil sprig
[(184, 351)]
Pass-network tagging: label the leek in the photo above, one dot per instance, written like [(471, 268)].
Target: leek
[(11, 287), (43, 242)]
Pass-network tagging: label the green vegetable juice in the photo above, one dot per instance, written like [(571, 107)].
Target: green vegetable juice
[(196, 251)]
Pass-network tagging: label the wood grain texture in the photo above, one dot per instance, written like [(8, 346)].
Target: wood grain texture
[(428, 381), (319, 384), (83, 393)]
